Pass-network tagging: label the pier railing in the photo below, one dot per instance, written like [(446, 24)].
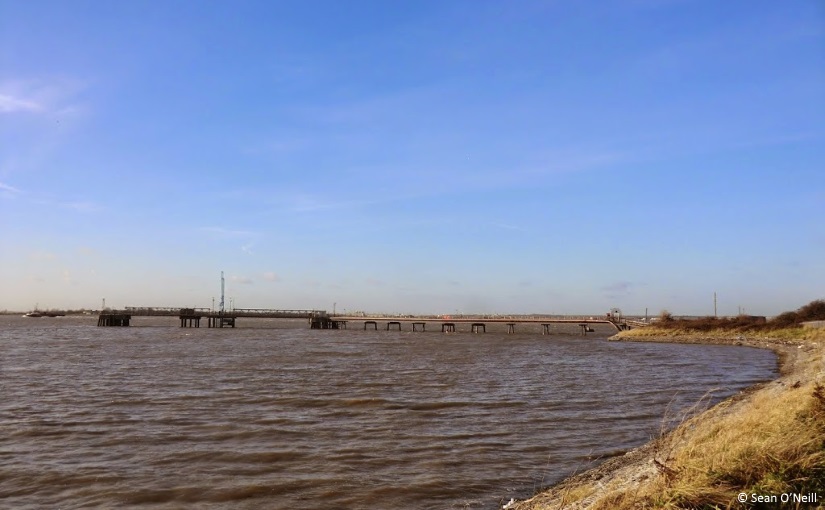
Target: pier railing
[(269, 313), (161, 311), (274, 313)]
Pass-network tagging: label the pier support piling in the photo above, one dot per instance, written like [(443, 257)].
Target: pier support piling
[(448, 327), (478, 327), (113, 320), (190, 321), (221, 321), (322, 322)]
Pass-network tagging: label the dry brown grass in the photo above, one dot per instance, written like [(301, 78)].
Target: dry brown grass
[(770, 442), (668, 334), (776, 445)]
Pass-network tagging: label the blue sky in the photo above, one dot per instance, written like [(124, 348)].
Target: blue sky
[(423, 156)]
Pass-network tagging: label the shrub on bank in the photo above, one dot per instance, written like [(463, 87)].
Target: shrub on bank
[(705, 324), (813, 311)]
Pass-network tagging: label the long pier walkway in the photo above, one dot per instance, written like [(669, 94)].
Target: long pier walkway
[(478, 324), (191, 317), (320, 319)]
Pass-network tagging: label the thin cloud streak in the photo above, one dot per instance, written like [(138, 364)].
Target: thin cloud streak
[(507, 226), (11, 104), (8, 188), (55, 96), (307, 203), (85, 207), (82, 206), (228, 232), (270, 276)]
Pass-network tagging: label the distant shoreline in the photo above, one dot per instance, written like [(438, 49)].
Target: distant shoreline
[(686, 464)]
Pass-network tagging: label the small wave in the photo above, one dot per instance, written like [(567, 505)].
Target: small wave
[(365, 402), (436, 406)]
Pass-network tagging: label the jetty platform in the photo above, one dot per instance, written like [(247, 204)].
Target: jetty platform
[(191, 317), (320, 319), (475, 324)]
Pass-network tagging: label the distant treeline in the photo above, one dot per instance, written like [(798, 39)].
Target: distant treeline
[(813, 311)]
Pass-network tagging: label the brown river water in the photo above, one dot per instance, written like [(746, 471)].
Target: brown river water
[(273, 415)]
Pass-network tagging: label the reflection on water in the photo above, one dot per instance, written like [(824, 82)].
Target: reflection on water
[(293, 418)]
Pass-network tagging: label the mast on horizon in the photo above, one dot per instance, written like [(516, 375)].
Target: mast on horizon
[(222, 289)]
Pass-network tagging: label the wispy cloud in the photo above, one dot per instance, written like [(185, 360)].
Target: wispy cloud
[(246, 238), (242, 280), (11, 104), (59, 96), (568, 160), (270, 276), (311, 203), (228, 233), (618, 289), (281, 145), (8, 190), (507, 226), (42, 256), (82, 206)]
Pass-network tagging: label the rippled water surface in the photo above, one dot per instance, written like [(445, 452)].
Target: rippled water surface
[(286, 417)]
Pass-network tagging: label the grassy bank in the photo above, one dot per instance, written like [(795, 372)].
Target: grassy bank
[(766, 442)]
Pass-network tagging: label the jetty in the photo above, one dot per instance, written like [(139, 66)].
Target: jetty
[(473, 323), (191, 317), (321, 319)]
